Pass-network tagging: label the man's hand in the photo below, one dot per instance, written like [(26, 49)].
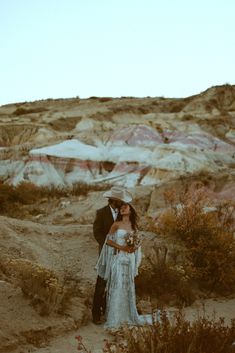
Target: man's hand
[(128, 249)]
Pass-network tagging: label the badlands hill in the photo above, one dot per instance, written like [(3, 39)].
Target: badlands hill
[(127, 141), (146, 144)]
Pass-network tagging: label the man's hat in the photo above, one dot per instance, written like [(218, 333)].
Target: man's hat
[(118, 193)]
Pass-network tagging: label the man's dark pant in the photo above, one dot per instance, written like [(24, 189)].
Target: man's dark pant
[(99, 300)]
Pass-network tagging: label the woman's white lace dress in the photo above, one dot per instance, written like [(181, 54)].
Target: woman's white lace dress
[(119, 268)]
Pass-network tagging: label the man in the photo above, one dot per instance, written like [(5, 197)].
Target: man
[(103, 221)]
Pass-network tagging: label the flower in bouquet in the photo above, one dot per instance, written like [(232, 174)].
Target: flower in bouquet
[(133, 239)]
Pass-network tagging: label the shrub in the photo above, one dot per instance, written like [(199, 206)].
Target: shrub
[(207, 236), (187, 117), (134, 109), (176, 107), (102, 115), (105, 99), (179, 336), (168, 282), (38, 283), (65, 124), (23, 111), (26, 193)]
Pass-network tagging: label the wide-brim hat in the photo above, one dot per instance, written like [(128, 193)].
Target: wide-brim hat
[(118, 193)]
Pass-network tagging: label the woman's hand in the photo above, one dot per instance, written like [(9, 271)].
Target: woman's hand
[(126, 248)]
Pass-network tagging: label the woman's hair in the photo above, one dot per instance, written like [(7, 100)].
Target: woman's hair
[(133, 217)]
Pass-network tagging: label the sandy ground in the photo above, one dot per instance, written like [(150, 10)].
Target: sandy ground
[(60, 237), (93, 339), (212, 308), (63, 242), (93, 335)]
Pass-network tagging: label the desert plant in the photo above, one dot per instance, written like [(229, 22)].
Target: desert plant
[(105, 99), (187, 117), (65, 124), (169, 283), (179, 336), (38, 283), (26, 193), (207, 236), (81, 346), (23, 111)]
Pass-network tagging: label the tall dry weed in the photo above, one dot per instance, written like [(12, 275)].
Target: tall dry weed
[(175, 336), (38, 283), (208, 235), (26, 193), (164, 280)]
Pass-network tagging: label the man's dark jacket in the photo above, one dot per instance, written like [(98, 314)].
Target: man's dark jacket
[(102, 224)]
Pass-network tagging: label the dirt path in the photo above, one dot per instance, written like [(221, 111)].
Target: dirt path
[(93, 335), (93, 339), (212, 309)]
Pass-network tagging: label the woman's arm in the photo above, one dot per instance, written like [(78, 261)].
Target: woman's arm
[(112, 243), (125, 248)]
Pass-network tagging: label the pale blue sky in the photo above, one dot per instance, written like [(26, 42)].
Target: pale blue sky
[(69, 48)]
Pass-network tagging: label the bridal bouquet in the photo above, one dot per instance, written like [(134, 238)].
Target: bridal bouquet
[(133, 239)]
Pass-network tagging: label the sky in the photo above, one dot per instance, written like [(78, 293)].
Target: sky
[(139, 48)]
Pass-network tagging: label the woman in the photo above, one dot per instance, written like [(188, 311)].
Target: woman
[(118, 264)]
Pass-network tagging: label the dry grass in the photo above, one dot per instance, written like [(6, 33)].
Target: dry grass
[(105, 99), (38, 283), (181, 336), (13, 135), (207, 236), (22, 111), (168, 282), (13, 197), (65, 124)]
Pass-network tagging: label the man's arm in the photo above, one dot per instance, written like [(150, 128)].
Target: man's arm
[(98, 228)]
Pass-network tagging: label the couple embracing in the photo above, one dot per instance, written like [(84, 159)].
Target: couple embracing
[(118, 262)]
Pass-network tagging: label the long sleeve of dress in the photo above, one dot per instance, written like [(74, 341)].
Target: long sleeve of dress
[(103, 265), (105, 260), (138, 257)]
